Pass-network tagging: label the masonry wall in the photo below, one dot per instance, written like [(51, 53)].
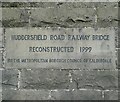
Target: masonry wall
[(59, 84)]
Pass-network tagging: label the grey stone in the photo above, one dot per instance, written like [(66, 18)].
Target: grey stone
[(59, 4), (0, 85), (63, 17), (0, 80), (78, 4), (111, 95), (118, 58), (105, 4), (12, 13), (60, 1), (118, 40), (44, 79), (15, 17), (76, 95), (1, 96), (10, 79), (49, 4), (1, 59), (22, 57), (25, 94), (107, 16), (95, 79), (66, 15), (0, 19), (1, 37)]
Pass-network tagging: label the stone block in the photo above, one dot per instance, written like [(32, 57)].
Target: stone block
[(76, 95), (102, 80), (44, 79), (62, 17), (10, 79), (25, 95)]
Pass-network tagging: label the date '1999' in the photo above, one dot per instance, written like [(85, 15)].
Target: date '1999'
[(85, 49)]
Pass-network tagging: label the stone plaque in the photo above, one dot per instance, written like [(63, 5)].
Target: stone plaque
[(60, 48)]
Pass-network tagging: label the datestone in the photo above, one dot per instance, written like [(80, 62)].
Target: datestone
[(60, 48)]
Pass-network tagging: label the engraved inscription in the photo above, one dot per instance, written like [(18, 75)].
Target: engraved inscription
[(60, 48)]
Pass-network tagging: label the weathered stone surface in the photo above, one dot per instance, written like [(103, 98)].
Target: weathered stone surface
[(8, 14), (15, 17), (107, 16), (0, 79), (1, 63), (0, 96), (59, 4), (0, 84), (105, 4), (20, 53), (60, 14), (1, 37), (9, 79), (60, 0), (48, 4), (118, 42), (25, 95), (76, 95), (118, 58), (66, 15), (0, 17), (44, 79), (111, 95), (95, 79), (78, 4), (63, 17), (29, 4)]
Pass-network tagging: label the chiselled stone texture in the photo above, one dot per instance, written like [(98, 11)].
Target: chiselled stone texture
[(10, 94), (62, 17), (9, 79), (13, 17), (65, 15), (102, 80), (111, 95), (76, 95), (44, 79), (107, 16), (60, 14)]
